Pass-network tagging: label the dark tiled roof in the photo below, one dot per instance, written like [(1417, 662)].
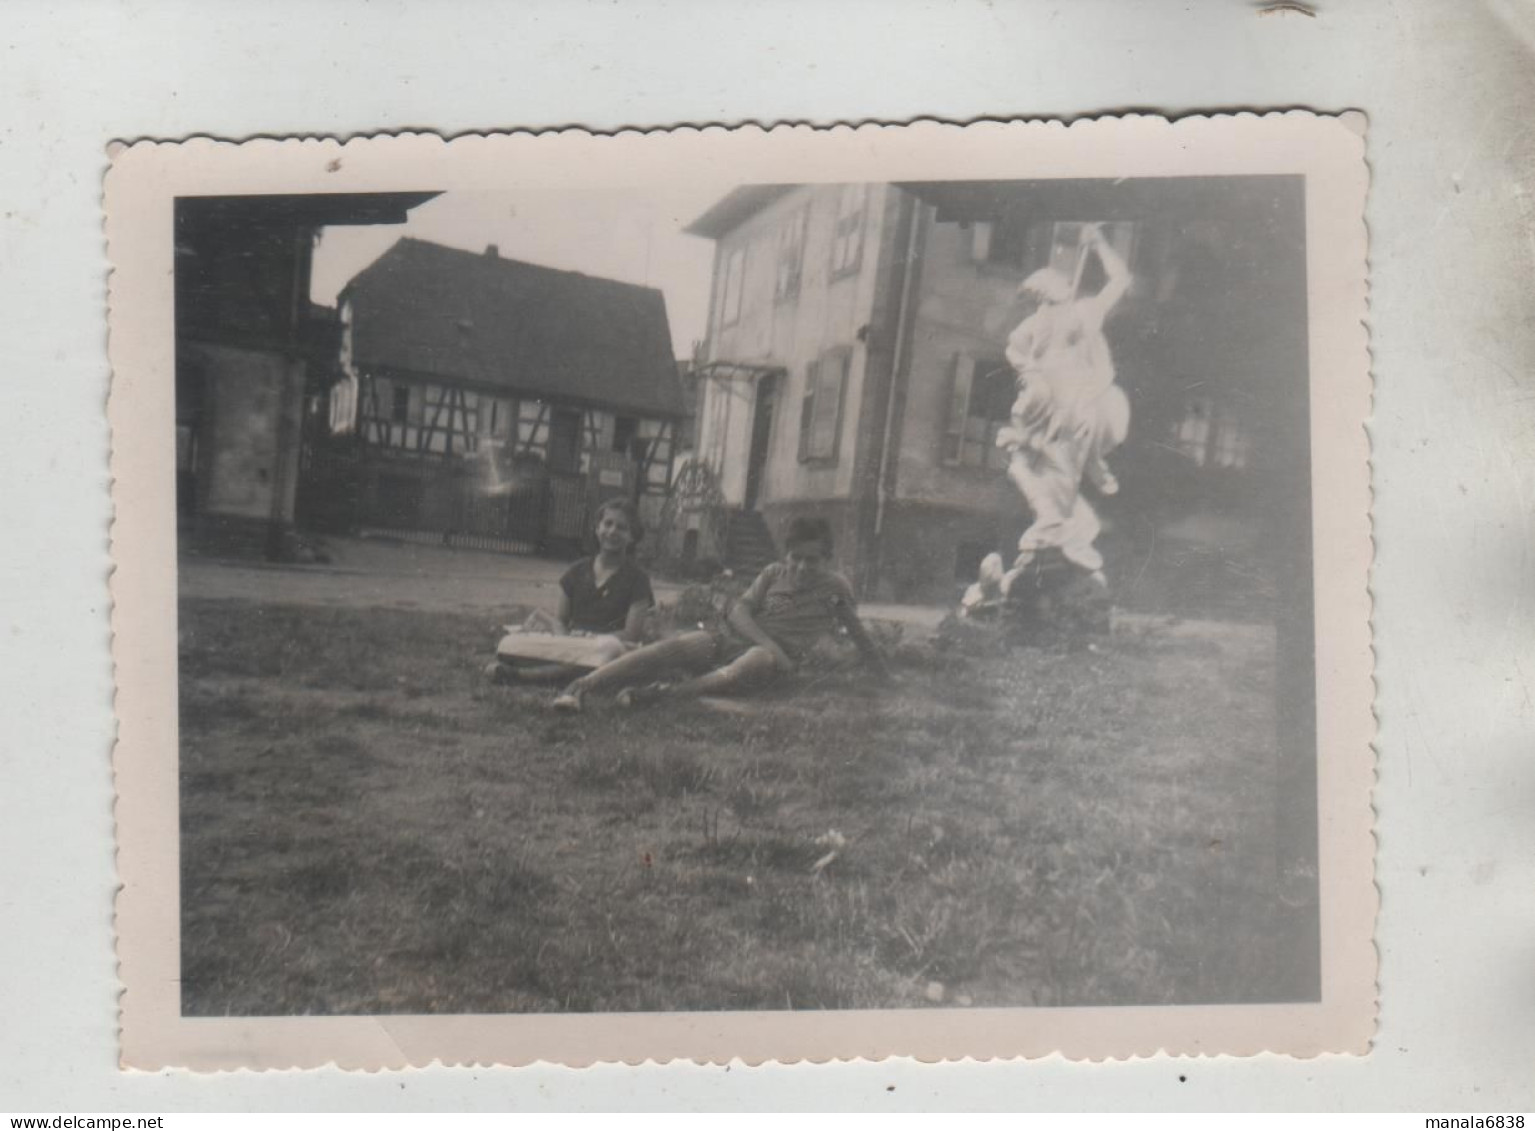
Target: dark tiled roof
[(462, 315)]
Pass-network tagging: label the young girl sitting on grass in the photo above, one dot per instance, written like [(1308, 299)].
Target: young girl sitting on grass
[(604, 598), (792, 604)]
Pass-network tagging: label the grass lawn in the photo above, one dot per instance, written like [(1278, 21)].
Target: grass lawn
[(368, 827)]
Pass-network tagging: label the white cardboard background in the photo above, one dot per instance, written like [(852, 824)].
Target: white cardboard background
[(1447, 88)]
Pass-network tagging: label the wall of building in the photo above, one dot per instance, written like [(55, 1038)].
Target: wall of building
[(826, 312), (239, 279), (929, 552), (839, 513), (966, 306), (247, 470)]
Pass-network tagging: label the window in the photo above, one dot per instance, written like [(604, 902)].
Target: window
[(847, 235), (730, 299), (1231, 445), (1211, 436), (399, 409), (1004, 242), (496, 416), (820, 420), (980, 404), (565, 440), (790, 257), (623, 433), (1191, 434)]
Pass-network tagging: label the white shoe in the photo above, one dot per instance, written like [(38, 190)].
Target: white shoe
[(568, 701)]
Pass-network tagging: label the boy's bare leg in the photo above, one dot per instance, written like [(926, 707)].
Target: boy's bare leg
[(652, 662), (749, 671), (609, 648)]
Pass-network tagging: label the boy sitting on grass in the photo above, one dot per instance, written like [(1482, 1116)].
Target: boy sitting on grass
[(790, 607)]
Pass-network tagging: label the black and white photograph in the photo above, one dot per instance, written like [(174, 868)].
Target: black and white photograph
[(747, 596), (853, 556)]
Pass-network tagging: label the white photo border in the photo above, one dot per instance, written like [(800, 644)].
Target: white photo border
[(141, 186)]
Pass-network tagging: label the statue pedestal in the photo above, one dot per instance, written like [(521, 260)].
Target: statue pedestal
[(1051, 601), (1053, 598)]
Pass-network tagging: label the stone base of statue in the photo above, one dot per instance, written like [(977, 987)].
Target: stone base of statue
[(1055, 598), (1049, 601)]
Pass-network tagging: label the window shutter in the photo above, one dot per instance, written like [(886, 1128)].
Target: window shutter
[(821, 411), (959, 408)]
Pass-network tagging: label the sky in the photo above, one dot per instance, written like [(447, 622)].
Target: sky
[(614, 233)]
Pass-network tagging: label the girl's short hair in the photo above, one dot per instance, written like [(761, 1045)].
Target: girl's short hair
[(808, 528), (626, 508)]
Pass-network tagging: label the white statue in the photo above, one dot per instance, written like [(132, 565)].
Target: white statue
[(1068, 417)]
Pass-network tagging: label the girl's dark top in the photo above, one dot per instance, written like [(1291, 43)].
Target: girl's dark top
[(604, 609)]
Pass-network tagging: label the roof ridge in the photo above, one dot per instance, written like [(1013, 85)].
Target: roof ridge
[(481, 257)]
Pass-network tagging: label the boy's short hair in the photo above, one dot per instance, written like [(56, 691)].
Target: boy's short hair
[(626, 508), (808, 528)]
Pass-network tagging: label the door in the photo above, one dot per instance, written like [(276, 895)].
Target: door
[(762, 432), (565, 441)]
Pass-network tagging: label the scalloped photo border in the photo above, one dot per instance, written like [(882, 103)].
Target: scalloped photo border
[(141, 184)]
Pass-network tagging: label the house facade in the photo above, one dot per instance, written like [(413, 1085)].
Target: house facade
[(249, 348), (789, 387), (488, 402), (854, 369)]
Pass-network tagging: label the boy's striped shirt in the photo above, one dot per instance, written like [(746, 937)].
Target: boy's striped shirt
[(796, 616)]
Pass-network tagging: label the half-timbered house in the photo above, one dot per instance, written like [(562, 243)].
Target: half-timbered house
[(491, 403)]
